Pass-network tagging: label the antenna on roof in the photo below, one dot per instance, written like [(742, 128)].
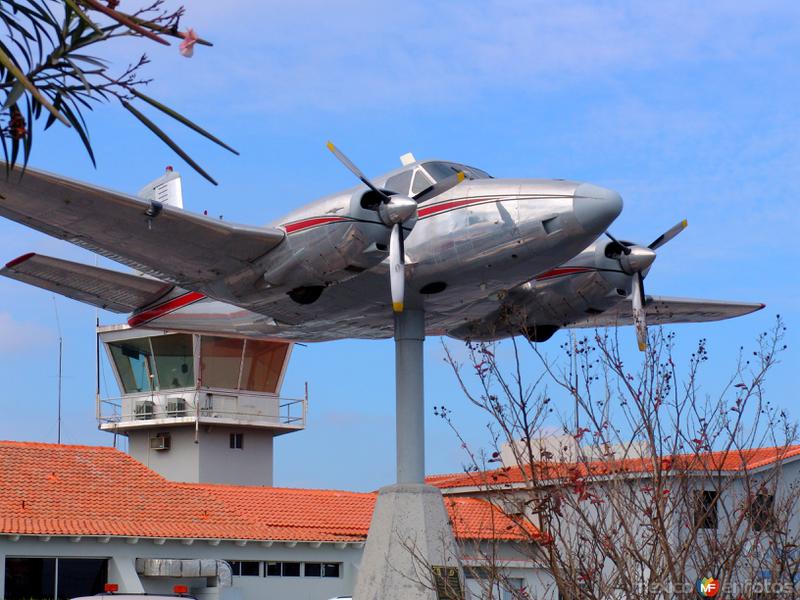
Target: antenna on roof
[(60, 354)]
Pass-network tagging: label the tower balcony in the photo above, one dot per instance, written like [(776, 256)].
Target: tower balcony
[(184, 379), (201, 407)]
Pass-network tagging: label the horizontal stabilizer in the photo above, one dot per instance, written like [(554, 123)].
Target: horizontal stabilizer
[(178, 246), (106, 289), (662, 310)]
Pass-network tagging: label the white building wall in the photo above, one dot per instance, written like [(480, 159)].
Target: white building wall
[(122, 554), (211, 459), (179, 463), (250, 465)]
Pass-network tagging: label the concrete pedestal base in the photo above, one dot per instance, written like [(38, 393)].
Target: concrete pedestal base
[(410, 533)]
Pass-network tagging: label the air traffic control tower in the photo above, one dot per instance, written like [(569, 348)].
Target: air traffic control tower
[(198, 408)]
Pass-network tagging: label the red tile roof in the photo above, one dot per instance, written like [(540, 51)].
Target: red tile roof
[(301, 514), (47, 489), (731, 461)]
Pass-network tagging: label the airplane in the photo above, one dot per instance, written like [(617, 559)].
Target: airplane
[(484, 258)]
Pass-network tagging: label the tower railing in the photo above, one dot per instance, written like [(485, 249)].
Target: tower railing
[(195, 405)]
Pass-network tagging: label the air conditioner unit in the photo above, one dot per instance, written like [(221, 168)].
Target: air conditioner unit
[(144, 410), (176, 407), (162, 441)]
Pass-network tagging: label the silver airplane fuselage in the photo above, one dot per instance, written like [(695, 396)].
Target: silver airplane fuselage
[(465, 251)]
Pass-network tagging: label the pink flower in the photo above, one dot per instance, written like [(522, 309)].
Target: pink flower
[(187, 45)]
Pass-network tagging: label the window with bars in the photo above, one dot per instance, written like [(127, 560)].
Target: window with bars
[(762, 511), (705, 512), (307, 569), (245, 568)]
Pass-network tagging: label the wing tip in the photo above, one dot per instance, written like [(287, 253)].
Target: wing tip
[(19, 260)]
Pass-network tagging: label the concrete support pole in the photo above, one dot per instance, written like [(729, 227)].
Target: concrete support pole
[(410, 538), (409, 335), (122, 571)]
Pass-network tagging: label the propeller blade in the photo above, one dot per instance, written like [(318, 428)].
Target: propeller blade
[(397, 268), (639, 314), (668, 235), (623, 247), (356, 171), (439, 187)]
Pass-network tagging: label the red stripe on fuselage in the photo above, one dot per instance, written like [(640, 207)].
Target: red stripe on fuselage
[(313, 222), (427, 211), (561, 271), (165, 308)]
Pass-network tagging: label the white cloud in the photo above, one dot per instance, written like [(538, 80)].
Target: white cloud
[(347, 55)]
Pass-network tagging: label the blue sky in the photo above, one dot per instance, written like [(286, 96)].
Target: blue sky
[(689, 110)]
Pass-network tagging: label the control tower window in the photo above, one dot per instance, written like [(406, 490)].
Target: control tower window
[(220, 362), (174, 361), (262, 365), (133, 360)]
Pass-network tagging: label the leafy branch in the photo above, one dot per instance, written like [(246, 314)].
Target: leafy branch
[(48, 70)]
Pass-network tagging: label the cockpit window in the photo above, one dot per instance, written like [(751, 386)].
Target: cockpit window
[(421, 182), (399, 183), (441, 170)]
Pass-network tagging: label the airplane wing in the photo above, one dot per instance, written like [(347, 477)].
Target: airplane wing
[(186, 249), (110, 290), (662, 310)]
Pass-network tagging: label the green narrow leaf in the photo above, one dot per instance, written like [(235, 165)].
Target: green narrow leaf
[(180, 118), (79, 130), (79, 74), (14, 95), (50, 118), (167, 140), (20, 76), (74, 6)]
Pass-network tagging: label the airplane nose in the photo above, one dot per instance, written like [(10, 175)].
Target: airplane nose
[(596, 207)]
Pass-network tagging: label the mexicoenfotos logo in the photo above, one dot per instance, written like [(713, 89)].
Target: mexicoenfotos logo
[(707, 587)]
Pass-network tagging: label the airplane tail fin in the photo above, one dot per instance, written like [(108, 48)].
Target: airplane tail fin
[(167, 189), (104, 288)]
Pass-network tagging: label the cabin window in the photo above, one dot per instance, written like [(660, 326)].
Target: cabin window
[(399, 183), (421, 182), (442, 170)]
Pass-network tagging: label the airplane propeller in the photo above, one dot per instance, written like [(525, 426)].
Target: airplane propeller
[(395, 211), (634, 260)]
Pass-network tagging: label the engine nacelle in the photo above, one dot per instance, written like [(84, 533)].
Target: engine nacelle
[(327, 249)]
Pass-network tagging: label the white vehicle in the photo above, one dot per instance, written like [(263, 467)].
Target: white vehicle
[(180, 591)]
